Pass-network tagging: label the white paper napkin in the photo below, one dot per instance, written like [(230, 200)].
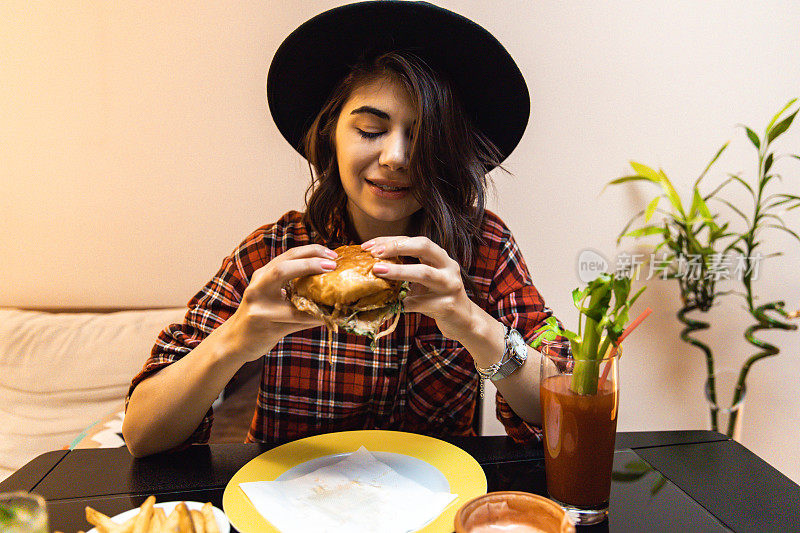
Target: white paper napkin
[(357, 494)]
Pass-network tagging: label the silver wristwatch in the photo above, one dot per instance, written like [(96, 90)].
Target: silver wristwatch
[(515, 354)]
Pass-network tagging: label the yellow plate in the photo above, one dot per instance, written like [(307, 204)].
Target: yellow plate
[(463, 473)]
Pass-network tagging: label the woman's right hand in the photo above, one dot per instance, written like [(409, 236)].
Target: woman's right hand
[(265, 315)]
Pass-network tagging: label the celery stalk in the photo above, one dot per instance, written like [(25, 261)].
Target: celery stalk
[(604, 304), (586, 371)]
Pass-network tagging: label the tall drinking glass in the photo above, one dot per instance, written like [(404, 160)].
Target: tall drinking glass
[(22, 512), (579, 433)]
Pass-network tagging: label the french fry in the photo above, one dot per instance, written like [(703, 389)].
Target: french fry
[(157, 522), (142, 523), (102, 522), (151, 519), (184, 519), (198, 521), (125, 527), (209, 518), (171, 523)]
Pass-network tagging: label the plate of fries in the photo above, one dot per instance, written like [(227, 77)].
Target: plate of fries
[(164, 517)]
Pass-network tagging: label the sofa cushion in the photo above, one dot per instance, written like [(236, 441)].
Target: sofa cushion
[(60, 372)]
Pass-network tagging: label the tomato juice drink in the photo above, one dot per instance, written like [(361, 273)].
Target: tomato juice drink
[(579, 434)]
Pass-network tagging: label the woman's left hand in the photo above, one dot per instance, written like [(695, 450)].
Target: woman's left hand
[(437, 289)]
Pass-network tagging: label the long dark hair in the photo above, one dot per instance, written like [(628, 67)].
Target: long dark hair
[(448, 159)]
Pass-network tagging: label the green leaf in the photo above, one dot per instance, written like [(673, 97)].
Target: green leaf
[(781, 127), (660, 245), (766, 179), (646, 172), (787, 230), (628, 225), (700, 206), (651, 208), (577, 296), (694, 207), (768, 163), (783, 198), (626, 179), (672, 194), (775, 217), (645, 231), (719, 188), (703, 208), (570, 335), (734, 208), (753, 138), (775, 118), (708, 166), (746, 185), (636, 296)]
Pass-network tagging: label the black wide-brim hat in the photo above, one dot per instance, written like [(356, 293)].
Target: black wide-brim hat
[(316, 56)]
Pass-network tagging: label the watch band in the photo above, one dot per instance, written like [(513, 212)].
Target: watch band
[(506, 369), (507, 364), (511, 360)]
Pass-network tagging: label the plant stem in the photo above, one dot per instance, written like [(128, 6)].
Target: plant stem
[(696, 325), (767, 349), (585, 373)]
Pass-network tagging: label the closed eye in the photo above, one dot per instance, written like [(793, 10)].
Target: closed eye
[(369, 134)]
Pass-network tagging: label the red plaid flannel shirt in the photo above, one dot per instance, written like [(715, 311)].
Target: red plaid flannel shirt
[(416, 380)]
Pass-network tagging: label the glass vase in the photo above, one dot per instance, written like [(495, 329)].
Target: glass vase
[(719, 392)]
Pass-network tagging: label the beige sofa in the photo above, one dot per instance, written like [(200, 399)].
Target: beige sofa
[(62, 374)]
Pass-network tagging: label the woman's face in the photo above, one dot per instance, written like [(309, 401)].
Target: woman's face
[(372, 140)]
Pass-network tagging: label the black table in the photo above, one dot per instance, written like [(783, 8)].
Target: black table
[(663, 481)]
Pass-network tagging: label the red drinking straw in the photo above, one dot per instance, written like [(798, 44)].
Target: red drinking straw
[(621, 338)]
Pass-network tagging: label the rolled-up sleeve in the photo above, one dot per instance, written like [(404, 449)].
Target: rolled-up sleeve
[(207, 310)]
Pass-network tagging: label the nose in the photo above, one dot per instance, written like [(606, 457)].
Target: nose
[(394, 153)]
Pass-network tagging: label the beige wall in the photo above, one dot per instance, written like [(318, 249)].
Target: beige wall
[(137, 150)]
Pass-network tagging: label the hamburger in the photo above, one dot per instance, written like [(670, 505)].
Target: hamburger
[(351, 297)]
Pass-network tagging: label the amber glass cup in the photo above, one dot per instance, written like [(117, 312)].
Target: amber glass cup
[(579, 434)]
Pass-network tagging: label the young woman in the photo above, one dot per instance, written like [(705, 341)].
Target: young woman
[(400, 120)]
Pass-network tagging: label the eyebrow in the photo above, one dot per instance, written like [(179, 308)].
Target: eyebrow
[(371, 110)]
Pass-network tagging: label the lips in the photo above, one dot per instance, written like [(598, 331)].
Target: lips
[(387, 189), (388, 185)]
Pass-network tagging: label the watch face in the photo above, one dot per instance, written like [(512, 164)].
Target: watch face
[(518, 345)]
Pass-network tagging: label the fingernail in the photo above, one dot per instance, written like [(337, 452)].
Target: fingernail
[(380, 268), (327, 265), (331, 254), (367, 245), (379, 250)]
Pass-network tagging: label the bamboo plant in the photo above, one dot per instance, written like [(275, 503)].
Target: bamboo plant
[(603, 307), (684, 232), (765, 215), (697, 232)]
